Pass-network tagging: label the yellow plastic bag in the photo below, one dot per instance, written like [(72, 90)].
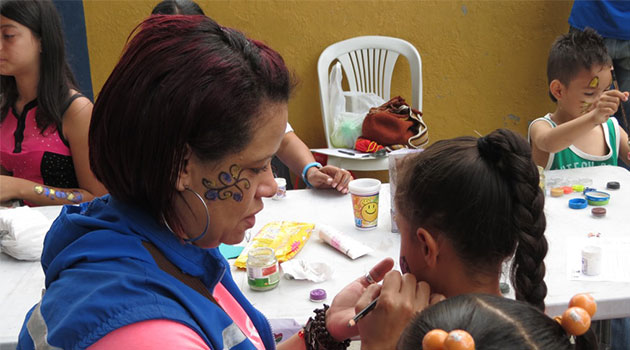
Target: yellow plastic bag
[(285, 237)]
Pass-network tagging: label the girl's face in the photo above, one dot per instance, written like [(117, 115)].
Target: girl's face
[(19, 48), (234, 187)]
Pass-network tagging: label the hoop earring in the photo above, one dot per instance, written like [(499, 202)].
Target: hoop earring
[(191, 240)]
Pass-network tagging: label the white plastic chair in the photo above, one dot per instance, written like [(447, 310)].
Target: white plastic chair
[(368, 63)]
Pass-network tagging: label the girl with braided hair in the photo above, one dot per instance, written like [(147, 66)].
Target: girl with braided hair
[(465, 206)]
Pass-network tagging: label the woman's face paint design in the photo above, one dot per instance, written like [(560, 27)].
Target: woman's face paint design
[(229, 187)]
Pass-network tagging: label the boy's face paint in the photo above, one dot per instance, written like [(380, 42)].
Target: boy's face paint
[(584, 90)]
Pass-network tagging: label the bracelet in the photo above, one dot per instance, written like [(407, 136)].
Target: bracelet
[(316, 335), (305, 170)]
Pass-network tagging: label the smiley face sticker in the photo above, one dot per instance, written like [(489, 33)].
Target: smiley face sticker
[(365, 211)]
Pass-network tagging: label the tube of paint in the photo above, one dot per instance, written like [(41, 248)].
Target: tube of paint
[(345, 244)]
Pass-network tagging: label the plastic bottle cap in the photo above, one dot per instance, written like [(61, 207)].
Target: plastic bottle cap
[(567, 189), (598, 212), (577, 203), (578, 188), (557, 192), (318, 295), (613, 185)]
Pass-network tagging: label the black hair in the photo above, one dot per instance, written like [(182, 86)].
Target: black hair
[(484, 196), (177, 7), (182, 81), (574, 51), (55, 77), (495, 323)]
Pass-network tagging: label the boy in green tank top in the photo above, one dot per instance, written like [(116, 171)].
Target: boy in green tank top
[(580, 132)]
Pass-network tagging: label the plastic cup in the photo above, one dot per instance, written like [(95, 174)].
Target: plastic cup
[(364, 193)]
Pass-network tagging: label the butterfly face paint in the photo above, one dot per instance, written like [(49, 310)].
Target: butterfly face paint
[(230, 185)]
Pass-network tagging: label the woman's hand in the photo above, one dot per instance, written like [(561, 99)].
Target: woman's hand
[(329, 176), (343, 306), (399, 299)]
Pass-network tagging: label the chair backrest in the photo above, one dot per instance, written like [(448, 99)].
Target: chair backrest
[(368, 63)]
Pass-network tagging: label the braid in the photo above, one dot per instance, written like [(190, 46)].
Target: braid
[(512, 156)]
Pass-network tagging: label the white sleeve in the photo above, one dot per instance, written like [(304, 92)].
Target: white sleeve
[(288, 129)]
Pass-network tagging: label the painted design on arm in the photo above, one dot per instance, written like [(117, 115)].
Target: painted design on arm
[(72, 196), (230, 185)]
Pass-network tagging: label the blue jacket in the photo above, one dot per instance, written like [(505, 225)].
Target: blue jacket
[(99, 277)]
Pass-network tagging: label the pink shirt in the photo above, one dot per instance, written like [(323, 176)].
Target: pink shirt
[(166, 334), (29, 154)]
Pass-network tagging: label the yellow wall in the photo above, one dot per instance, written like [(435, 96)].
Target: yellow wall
[(483, 61)]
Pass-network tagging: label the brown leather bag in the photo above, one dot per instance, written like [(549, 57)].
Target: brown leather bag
[(395, 125)]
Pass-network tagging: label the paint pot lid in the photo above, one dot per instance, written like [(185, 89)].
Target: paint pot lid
[(557, 191), (598, 211), (577, 203), (613, 185), (318, 294)]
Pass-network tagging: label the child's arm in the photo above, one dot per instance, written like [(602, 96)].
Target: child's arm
[(551, 140)]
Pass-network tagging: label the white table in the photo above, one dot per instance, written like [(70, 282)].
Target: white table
[(21, 282), (565, 224)]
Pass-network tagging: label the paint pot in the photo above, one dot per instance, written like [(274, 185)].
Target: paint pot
[(597, 198), (317, 295), (281, 192), (598, 212), (577, 203), (591, 260), (263, 272), (567, 189), (613, 185), (578, 188), (557, 192)]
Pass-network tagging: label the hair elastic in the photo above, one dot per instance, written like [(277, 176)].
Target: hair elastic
[(576, 320), (457, 339), (191, 240)]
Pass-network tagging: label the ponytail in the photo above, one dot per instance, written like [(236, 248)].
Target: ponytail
[(511, 155)]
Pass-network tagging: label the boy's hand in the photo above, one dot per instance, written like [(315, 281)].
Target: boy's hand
[(607, 105)]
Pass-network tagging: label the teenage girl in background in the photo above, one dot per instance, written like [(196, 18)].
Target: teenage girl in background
[(44, 119)]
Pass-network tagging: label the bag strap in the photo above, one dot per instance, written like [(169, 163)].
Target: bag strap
[(168, 267)]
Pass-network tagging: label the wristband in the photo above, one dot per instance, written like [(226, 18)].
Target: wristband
[(305, 170)]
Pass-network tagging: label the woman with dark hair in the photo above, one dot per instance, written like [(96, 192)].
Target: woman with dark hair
[(293, 152), (44, 120), (182, 135), (496, 323), (177, 7), (464, 206)]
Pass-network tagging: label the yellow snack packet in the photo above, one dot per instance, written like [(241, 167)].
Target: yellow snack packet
[(285, 237)]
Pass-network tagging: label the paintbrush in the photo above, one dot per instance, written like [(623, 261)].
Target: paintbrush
[(362, 313), (616, 85)]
